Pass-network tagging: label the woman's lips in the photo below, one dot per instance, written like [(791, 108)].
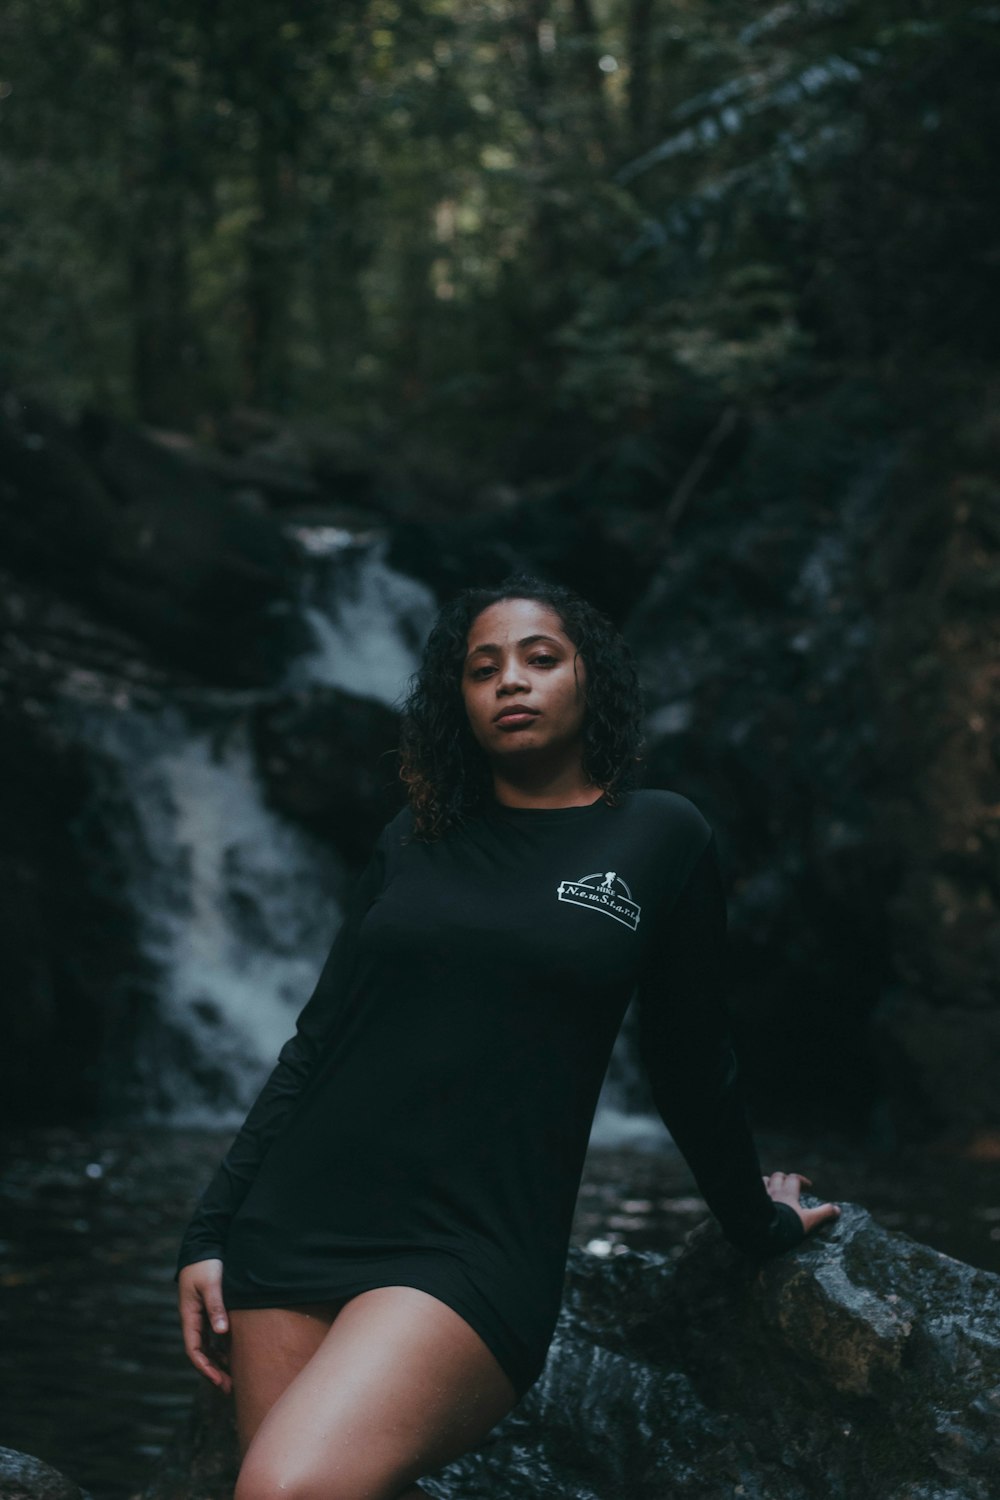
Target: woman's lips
[(516, 720)]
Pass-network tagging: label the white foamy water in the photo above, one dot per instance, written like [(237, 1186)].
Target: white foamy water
[(234, 909), (369, 622)]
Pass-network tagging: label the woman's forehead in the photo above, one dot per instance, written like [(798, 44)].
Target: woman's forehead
[(523, 615)]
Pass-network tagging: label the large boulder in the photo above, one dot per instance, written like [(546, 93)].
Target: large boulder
[(121, 523), (821, 660), (24, 1477), (860, 1364)]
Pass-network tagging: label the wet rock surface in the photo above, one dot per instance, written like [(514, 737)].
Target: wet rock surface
[(203, 1458), (23, 1477), (860, 1364)]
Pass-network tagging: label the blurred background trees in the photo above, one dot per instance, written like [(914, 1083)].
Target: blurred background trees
[(513, 232)]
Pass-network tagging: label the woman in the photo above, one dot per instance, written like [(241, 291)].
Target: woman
[(385, 1241)]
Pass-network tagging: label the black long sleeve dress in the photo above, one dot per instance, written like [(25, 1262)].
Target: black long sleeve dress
[(427, 1123)]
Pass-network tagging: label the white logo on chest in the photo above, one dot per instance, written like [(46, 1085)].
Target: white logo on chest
[(605, 892)]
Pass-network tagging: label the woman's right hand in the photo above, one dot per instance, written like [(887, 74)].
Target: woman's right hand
[(199, 1299), (785, 1187)]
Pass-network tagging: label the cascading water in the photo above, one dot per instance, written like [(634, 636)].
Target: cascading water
[(368, 621), (233, 905), (233, 908)]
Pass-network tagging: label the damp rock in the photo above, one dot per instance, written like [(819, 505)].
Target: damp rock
[(24, 1477), (860, 1363)]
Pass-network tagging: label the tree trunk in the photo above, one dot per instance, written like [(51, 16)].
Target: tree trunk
[(164, 351), (591, 81), (273, 244), (639, 27)]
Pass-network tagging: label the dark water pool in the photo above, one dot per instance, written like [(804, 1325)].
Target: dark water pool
[(92, 1375)]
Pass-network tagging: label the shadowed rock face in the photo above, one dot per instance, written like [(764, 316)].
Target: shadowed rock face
[(861, 1364), (121, 524), (23, 1477)]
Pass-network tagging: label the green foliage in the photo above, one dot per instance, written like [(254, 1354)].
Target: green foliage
[(472, 219)]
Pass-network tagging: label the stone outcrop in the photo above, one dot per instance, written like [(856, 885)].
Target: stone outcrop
[(23, 1477), (118, 522), (202, 1461), (821, 655), (862, 1365)]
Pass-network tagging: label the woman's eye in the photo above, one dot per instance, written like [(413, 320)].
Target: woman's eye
[(541, 658)]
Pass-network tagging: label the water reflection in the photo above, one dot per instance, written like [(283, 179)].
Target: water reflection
[(92, 1369)]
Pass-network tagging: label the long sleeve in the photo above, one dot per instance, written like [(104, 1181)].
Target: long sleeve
[(686, 1049), (205, 1235)]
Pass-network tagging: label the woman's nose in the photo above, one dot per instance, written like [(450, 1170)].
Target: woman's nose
[(510, 675)]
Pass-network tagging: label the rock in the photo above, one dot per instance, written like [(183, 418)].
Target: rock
[(68, 935), (23, 1477), (861, 1364), (123, 524), (282, 477), (328, 760), (940, 1061), (754, 648), (203, 1458), (604, 553)]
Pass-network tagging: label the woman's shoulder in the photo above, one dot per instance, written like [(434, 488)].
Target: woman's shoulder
[(660, 810), (398, 826), (667, 807), (669, 813)]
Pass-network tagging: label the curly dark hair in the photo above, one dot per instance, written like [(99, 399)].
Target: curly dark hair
[(446, 773)]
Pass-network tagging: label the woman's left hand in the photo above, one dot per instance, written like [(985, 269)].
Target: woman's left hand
[(785, 1187)]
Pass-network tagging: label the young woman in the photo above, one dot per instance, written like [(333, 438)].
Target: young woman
[(385, 1241)]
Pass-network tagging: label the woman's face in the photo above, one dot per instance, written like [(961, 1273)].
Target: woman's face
[(519, 658)]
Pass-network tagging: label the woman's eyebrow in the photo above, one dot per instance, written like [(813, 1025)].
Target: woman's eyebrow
[(526, 640)]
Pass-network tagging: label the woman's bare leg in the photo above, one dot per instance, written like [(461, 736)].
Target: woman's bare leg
[(399, 1385), (268, 1347)]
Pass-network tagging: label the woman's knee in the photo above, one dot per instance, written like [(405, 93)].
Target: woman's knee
[(352, 1476)]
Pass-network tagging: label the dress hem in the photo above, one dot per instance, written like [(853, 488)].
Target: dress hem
[(521, 1373)]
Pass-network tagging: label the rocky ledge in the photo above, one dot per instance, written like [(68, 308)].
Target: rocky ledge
[(861, 1364), (23, 1477)]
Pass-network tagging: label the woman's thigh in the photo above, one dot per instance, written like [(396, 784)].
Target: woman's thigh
[(268, 1346), (400, 1385)]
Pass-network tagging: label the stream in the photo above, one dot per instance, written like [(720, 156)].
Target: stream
[(92, 1371)]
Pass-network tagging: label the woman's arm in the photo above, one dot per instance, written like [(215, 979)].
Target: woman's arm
[(205, 1236), (686, 1049)]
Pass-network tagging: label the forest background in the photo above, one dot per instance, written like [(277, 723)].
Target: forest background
[(508, 235), (690, 303)]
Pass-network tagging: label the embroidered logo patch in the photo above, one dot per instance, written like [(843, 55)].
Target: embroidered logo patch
[(603, 892)]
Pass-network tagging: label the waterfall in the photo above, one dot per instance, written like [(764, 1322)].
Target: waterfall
[(232, 905), (233, 908), (368, 621)]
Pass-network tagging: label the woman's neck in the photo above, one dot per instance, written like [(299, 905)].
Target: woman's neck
[(554, 794)]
